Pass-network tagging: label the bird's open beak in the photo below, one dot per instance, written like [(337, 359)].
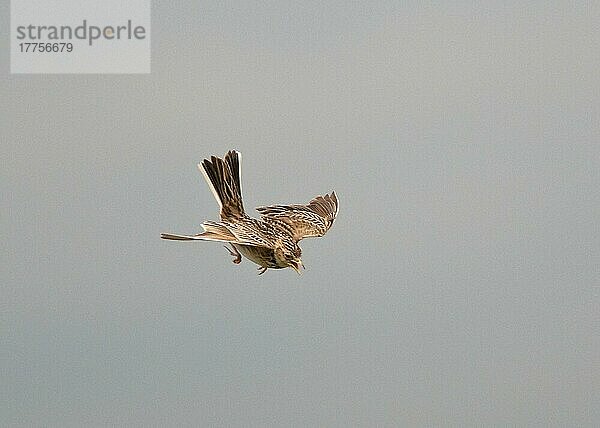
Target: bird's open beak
[(296, 265)]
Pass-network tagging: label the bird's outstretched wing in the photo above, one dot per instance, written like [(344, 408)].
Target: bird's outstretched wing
[(312, 219), (223, 178)]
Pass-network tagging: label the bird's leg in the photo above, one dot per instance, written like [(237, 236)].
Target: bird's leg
[(264, 269), (237, 257)]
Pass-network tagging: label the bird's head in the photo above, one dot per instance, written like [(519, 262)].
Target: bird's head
[(291, 256)]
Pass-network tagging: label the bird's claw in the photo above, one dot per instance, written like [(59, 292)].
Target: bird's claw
[(264, 269), (237, 257)]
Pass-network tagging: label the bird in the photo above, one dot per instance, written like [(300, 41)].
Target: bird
[(270, 241)]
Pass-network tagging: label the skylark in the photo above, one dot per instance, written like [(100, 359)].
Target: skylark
[(271, 241)]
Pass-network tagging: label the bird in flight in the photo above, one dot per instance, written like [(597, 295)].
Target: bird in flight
[(270, 241)]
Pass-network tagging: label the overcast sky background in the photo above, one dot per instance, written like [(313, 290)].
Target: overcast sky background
[(459, 285)]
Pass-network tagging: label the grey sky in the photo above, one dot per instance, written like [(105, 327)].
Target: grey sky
[(459, 285)]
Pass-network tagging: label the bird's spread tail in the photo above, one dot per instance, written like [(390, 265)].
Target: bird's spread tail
[(223, 178), (212, 232), (174, 237)]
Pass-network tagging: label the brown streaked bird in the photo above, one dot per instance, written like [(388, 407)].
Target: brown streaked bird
[(271, 241)]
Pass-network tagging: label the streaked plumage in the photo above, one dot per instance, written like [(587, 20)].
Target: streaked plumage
[(270, 241)]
